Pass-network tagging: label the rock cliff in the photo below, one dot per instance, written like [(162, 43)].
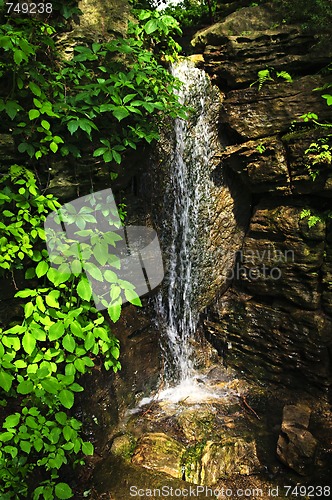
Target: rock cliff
[(275, 319)]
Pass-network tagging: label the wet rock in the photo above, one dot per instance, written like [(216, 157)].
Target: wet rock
[(140, 356), (160, 452), (197, 423), (114, 477), (262, 165), (296, 445), (281, 256), (327, 274), (123, 446), (215, 460), (223, 218), (251, 114), (273, 342)]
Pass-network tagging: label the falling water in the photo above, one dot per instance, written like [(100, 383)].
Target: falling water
[(188, 193)]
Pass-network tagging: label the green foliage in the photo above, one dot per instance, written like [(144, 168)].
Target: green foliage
[(193, 13), (314, 218), (261, 148), (319, 153), (156, 30), (107, 99), (313, 14), (61, 337), (54, 106), (264, 76)]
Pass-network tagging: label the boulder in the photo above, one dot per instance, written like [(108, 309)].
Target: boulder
[(159, 452), (296, 445), (253, 39), (140, 356), (197, 424), (261, 165), (273, 341), (207, 464), (281, 256), (251, 113), (123, 446)]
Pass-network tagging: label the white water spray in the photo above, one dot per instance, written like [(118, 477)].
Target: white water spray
[(178, 307)]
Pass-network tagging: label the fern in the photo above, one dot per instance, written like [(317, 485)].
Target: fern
[(285, 75), (263, 76)]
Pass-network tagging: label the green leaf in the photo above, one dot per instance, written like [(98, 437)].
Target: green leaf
[(67, 432), (114, 312), (19, 56), (38, 444), (54, 147), (45, 124), (99, 151), (328, 98), (72, 126), (50, 385), (28, 309), (61, 417), (56, 331), (93, 270), (108, 156), (40, 304), (132, 297), (110, 276), (28, 342), (6, 436), (66, 398), (25, 446), (25, 387), (30, 273), (87, 448), (35, 89), (151, 26), (120, 112), (89, 341), (84, 289), (63, 491), (12, 420), (79, 365), (31, 422), (12, 107), (42, 268), (69, 343), (116, 156), (76, 329), (52, 299), (33, 113), (100, 252), (6, 380), (37, 103)]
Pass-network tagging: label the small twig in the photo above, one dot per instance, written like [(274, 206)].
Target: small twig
[(246, 405), (13, 280)]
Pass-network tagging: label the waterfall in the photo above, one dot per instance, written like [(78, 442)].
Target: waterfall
[(187, 197)]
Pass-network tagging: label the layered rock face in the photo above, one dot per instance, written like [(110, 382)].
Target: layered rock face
[(275, 319)]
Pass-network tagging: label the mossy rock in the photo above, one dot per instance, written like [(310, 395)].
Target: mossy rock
[(159, 452)]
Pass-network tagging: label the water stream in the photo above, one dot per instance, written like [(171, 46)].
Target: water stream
[(187, 195)]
